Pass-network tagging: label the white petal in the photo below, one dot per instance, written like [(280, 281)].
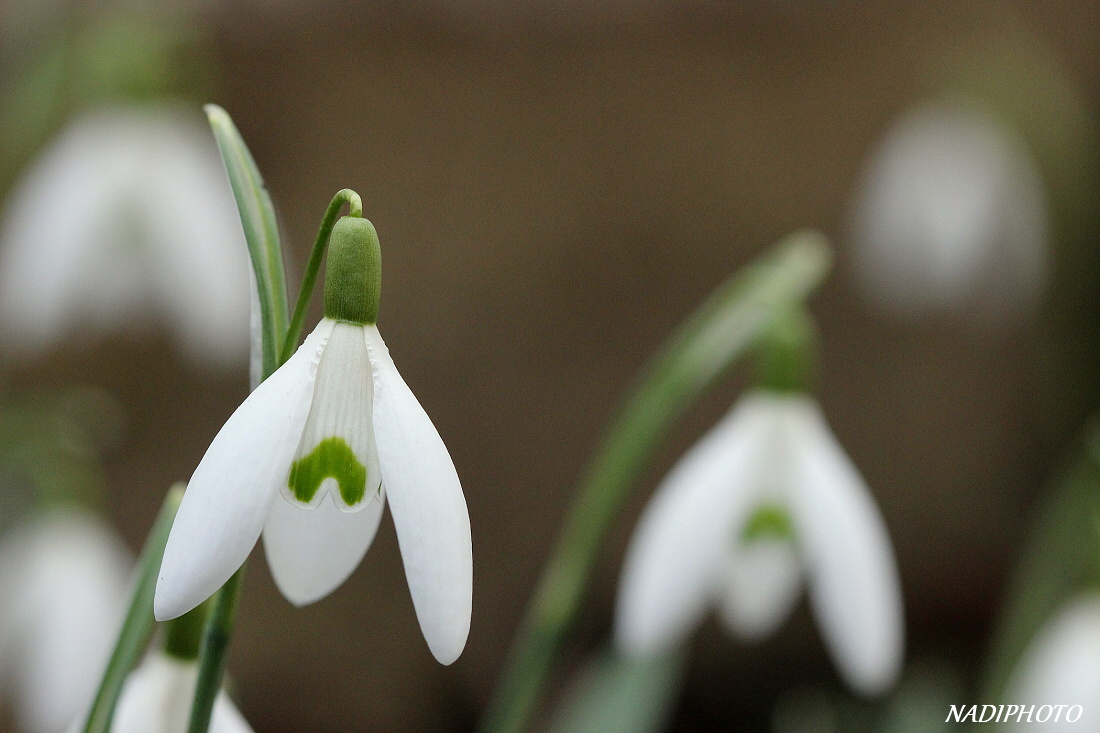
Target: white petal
[(64, 583), (673, 564), (854, 588), (157, 698), (343, 398), (196, 247), (1061, 666), (312, 551), (762, 581), (230, 494), (429, 510)]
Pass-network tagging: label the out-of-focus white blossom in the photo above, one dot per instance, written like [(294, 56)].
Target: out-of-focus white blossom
[(64, 583), (1061, 666), (127, 216), (950, 216), (765, 501), (157, 698)]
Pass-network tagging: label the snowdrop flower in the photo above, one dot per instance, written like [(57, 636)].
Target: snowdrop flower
[(1062, 667), (766, 498), (127, 214), (308, 460), (64, 582), (157, 698), (950, 214)]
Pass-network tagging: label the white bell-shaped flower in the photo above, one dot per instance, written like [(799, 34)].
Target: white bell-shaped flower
[(127, 215), (766, 499), (1061, 667), (157, 698), (309, 459), (950, 216), (64, 584)]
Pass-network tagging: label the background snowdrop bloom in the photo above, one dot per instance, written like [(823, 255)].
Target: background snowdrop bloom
[(308, 460), (950, 213), (127, 214), (64, 583), (764, 498), (157, 698), (1061, 666)]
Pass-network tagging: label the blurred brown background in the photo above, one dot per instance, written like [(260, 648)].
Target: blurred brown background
[(555, 188)]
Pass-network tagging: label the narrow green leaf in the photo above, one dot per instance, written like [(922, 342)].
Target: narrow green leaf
[(261, 232), (138, 626), (616, 694), (722, 331)]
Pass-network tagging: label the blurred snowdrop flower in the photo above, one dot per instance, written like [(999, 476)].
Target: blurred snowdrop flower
[(64, 582), (308, 460), (950, 216), (766, 498), (157, 698), (1062, 667), (127, 214)]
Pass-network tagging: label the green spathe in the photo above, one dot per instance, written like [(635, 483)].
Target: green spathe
[(332, 458), (353, 281)]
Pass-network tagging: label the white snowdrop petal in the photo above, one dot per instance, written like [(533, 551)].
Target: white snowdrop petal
[(855, 592), (429, 510), (48, 251), (1061, 666), (336, 454), (66, 580), (311, 552), (761, 583), (230, 494), (157, 698), (673, 563), (197, 249)]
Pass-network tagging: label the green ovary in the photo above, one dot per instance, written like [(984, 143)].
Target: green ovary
[(332, 458), (769, 520)]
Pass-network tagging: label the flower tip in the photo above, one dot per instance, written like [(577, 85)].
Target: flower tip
[(167, 604)]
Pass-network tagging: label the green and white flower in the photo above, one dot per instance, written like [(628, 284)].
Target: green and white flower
[(766, 498), (308, 460)]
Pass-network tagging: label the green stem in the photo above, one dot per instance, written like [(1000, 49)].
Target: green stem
[(213, 652), (309, 279), (723, 330), (138, 626)]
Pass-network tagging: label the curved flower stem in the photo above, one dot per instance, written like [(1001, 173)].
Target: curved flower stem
[(721, 331), (309, 279), (138, 626)]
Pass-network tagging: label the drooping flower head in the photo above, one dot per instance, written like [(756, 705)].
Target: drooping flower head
[(308, 461), (64, 581), (1061, 667), (763, 503), (950, 216), (157, 698), (148, 228)]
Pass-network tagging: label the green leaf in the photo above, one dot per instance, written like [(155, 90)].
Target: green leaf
[(722, 331), (261, 232), (617, 694), (138, 626)]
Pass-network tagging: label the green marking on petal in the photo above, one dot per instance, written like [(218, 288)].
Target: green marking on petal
[(768, 521), (332, 458)]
